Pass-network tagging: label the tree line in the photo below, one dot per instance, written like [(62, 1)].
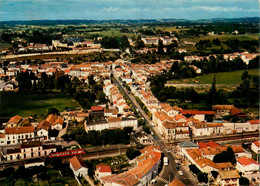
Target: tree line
[(98, 138), (84, 93)]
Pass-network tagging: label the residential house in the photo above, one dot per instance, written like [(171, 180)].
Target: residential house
[(28, 150), (78, 166), (222, 110), (14, 121), (146, 170), (207, 129), (102, 170), (255, 147), (16, 135), (247, 165), (228, 177), (42, 129)]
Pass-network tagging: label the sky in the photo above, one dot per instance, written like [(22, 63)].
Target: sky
[(126, 9)]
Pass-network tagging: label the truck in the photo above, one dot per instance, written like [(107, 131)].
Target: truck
[(165, 160)]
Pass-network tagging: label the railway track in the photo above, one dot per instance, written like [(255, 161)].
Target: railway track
[(90, 154), (226, 138)]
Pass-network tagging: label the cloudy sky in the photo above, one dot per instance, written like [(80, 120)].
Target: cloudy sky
[(126, 9)]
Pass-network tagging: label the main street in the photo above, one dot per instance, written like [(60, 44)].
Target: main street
[(169, 171)]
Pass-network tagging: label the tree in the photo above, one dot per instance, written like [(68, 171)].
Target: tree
[(225, 156), (243, 181), (203, 177), (101, 96), (53, 110), (132, 153), (160, 47), (146, 129), (212, 93)]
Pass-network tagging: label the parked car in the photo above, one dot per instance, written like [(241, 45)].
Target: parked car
[(180, 173)]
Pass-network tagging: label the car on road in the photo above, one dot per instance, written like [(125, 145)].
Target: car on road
[(176, 161), (177, 168), (180, 173), (167, 150)]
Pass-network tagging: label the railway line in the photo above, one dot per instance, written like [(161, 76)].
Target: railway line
[(90, 154)]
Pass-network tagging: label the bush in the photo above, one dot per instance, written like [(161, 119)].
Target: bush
[(243, 181), (203, 177), (194, 169), (53, 110), (132, 153)]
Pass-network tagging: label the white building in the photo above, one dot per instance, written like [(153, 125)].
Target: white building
[(247, 165), (28, 150), (102, 170), (16, 135), (112, 123), (255, 147), (78, 166)]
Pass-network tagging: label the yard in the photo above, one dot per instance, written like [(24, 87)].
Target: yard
[(221, 78), (26, 104)]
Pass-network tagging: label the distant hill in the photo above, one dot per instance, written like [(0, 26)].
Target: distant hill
[(122, 21)]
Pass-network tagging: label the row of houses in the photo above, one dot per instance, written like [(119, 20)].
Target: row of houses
[(27, 150), (175, 122), (202, 154), (245, 56), (14, 134), (146, 169)]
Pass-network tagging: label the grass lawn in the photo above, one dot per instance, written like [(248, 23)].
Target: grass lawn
[(5, 46), (26, 104), (221, 78)]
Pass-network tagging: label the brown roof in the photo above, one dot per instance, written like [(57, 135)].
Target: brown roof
[(18, 130), (236, 111), (31, 144), (16, 119), (51, 118), (44, 125), (77, 163), (222, 107), (228, 174), (225, 165)]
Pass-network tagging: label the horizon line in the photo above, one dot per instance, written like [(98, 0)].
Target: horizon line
[(128, 19)]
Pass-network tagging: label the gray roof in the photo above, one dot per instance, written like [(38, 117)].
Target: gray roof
[(187, 144)]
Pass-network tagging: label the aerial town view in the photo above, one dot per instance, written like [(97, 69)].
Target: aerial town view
[(129, 93)]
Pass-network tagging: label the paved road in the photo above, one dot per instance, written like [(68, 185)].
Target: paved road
[(169, 172)]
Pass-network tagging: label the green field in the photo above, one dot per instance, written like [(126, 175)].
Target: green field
[(221, 78), (222, 38), (26, 104)]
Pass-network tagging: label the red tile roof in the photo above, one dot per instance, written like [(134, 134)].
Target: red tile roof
[(196, 112), (257, 143), (235, 111), (203, 145), (212, 144), (254, 121), (102, 167), (97, 108), (246, 161)]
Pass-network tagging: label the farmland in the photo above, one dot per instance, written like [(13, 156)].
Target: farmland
[(221, 78)]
